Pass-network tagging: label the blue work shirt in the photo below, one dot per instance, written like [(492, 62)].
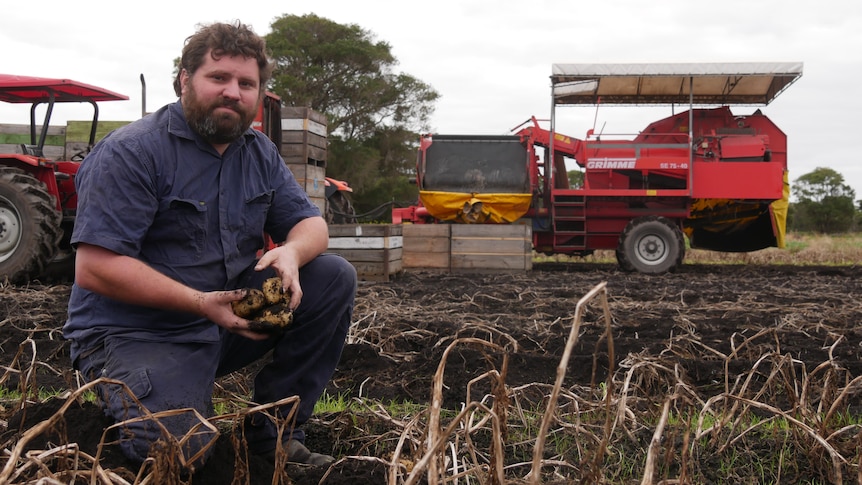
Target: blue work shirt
[(156, 191)]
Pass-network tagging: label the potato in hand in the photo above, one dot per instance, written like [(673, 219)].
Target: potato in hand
[(252, 303), (266, 308)]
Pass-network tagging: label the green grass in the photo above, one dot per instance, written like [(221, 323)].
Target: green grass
[(342, 402), (332, 404), (15, 395)]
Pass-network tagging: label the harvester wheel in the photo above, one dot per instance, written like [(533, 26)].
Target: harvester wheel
[(651, 245), (29, 226)]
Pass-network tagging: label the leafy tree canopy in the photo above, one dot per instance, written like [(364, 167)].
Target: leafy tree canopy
[(576, 178), (825, 203), (341, 70), (821, 183), (374, 112)]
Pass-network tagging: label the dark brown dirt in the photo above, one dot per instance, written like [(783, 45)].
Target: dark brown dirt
[(403, 327)]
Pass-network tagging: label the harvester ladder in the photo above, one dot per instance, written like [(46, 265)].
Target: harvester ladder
[(569, 219)]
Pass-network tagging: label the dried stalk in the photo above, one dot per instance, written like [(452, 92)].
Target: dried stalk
[(597, 291)]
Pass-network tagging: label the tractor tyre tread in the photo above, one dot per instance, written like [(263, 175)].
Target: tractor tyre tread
[(40, 225)]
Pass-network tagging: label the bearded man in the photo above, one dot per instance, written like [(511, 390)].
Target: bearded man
[(173, 211)]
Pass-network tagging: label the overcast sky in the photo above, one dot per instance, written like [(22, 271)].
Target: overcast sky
[(489, 60)]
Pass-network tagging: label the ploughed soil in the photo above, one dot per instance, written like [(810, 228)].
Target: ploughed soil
[(734, 342)]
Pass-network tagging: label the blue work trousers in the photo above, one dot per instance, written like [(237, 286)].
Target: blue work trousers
[(167, 376)]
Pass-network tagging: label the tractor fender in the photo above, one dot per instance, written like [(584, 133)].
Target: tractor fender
[(39, 168)]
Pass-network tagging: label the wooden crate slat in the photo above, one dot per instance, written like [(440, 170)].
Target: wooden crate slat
[(301, 112), (468, 248), (375, 250), (369, 255), (426, 246), (303, 151), (303, 138), (419, 261)]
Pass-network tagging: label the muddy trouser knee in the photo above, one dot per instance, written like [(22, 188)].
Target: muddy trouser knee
[(162, 376), (305, 356)]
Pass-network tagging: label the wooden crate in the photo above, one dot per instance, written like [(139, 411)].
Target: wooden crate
[(491, 248), (303, 113), (61, 143), (300, 153), (375, 250), (303, 136), (12, 136), (311, 178), (320, 203), (78, 134), (426, 246)]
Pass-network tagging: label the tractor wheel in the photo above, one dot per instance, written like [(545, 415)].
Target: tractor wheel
[(342, 211), (29, 226), (61, 269), (651, 245)]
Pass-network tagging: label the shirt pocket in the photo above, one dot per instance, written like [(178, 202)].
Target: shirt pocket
[(254, 215), (178, 234)]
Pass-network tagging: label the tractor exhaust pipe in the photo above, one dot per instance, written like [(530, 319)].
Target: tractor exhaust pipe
[(143, 96)]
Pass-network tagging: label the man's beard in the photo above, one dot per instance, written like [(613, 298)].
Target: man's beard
[(216, 128)]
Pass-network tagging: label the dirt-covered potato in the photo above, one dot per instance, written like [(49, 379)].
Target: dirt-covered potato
[(253, 302), (272, 319), (279, 315), (273, 291), (266, 308)]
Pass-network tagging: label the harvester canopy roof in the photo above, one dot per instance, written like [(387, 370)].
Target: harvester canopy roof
[(732, 83), (28, 89)]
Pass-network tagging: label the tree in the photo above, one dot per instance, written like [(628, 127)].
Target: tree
[(374, 113), (576, 178), (825, 203)]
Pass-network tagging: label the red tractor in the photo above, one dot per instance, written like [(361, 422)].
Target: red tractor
[(38, 201), (715, 177), (37, 190)]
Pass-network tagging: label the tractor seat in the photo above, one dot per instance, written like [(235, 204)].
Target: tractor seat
[(32, 150)]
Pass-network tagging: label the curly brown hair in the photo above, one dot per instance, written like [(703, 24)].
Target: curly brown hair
[(223, 39)]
